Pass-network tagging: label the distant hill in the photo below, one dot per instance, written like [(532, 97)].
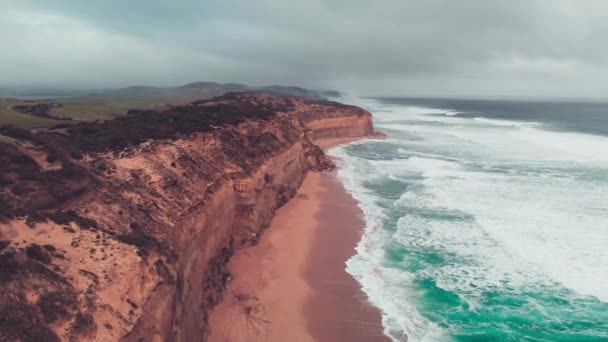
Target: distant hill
[(105, 104), (206, 88), (39, 93)]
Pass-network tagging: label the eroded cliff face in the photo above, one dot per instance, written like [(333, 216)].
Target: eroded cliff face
[(122, 229)]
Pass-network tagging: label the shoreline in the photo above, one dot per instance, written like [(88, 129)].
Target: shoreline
[(293, 285)]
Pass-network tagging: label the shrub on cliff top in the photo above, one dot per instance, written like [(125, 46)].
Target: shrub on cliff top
[(15, 132), (36, 252)]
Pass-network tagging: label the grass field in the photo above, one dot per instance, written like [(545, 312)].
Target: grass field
[(104, 107), (99, 108), (9, 116)]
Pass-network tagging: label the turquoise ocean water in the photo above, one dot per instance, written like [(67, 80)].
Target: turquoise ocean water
[(485, 222)]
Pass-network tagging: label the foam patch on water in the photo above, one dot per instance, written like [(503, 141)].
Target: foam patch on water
[(384, 286), (554, 225), (506, 123), (510, 207), (560, 228)]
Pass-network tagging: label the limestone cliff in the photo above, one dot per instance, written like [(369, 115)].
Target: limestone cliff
[(122, 229)]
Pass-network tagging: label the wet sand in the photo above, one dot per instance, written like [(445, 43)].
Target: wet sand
[(293, 285)]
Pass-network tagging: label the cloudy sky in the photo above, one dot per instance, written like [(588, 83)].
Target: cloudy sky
[(394, 47)]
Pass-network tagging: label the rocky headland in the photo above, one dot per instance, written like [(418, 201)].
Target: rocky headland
[(122, 229)]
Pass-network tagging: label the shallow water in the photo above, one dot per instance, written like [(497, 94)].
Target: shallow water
[(482, 227)]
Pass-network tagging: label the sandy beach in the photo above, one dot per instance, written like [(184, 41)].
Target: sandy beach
[(293, 286)]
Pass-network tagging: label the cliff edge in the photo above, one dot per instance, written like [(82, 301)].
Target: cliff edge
[(121, 230)]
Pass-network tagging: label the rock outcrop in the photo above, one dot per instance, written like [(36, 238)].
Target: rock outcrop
[(122, 229)]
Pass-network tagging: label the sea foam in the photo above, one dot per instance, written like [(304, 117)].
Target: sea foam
[(485, 206)]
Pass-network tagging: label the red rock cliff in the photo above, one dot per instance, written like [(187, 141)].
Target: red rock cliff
[(122, 229)]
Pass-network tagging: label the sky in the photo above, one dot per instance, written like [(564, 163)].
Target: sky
[(473, 48)]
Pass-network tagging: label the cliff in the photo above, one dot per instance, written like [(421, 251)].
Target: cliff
[(122, 229)]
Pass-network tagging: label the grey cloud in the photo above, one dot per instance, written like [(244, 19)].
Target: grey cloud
[(408, 47)]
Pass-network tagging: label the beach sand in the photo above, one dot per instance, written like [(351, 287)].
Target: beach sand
[(293, 286)]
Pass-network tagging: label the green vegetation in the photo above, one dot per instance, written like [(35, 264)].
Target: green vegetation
[(102, 107), (118, 102), (8, 116), (88, 108), (115, 103), (91, 108)]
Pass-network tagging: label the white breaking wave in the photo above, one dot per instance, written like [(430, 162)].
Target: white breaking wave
[(530, 210), (384, 286), (506, 123)]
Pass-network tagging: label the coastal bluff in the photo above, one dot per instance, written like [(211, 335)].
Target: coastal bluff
[(122, 229)]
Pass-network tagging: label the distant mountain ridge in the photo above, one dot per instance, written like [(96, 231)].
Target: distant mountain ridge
[(215, 87), (187, 90), (21, 108)]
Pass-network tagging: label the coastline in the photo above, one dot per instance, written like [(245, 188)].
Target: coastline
[(293, 285)]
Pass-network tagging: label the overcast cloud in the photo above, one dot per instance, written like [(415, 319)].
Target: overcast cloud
[(394, 47)]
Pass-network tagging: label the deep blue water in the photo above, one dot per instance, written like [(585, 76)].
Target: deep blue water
[(585, 117)]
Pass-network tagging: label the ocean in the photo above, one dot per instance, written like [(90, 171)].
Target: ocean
[(485, 220)]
